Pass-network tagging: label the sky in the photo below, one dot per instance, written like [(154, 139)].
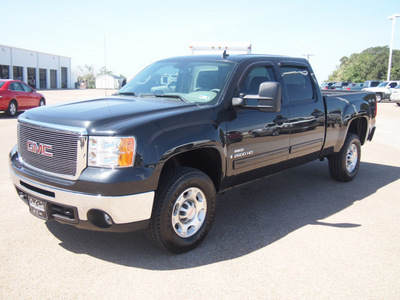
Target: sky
[(127, 35)]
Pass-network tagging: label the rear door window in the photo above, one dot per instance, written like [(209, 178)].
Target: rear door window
[(298, 83)]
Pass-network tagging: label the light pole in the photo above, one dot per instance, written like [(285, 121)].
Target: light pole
[(307, 55), (391, 43)]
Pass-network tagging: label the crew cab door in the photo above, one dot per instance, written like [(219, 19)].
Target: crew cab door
[(257, 141), (306, 112)]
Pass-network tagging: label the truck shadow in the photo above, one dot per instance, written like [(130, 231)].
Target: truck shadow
[(248, 218)]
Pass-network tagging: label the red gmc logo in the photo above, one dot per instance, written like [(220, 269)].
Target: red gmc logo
[(39, 148)]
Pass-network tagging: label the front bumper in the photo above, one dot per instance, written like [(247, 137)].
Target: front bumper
[(86, 210)]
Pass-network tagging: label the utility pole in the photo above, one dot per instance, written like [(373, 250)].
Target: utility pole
[(391, 44), (307, 55)]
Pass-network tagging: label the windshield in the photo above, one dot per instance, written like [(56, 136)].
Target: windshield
[(383, 84), (199, 82)]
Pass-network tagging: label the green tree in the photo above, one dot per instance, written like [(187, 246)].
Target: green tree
[(104, 70), (87, 75), (371, 64)]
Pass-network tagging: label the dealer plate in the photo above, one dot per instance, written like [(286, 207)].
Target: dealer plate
[(38, 208)]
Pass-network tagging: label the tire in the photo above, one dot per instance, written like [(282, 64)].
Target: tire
[(183, 211), (378, 97), (42, 102), (398, 103), (12, 108), (343, 166)]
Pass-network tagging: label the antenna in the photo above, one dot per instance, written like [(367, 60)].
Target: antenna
[(225, 55), (105, 67)]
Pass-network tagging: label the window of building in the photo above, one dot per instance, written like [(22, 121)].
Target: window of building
[(17, 73), (53, 79), (4, 72), (42, 78), (64, 76), (32, 77)]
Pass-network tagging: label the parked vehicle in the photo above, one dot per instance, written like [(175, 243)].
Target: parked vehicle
[(17, 96), (354, 87), (340, 85), (383, 90), (395, 96), (327, 85), (371, 83), (142, 160)]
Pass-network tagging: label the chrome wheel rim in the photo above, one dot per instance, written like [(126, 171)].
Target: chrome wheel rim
[(351, 158), (189, 212), (13, 108)]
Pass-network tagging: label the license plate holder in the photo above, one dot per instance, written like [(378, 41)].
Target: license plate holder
[(38, 208)]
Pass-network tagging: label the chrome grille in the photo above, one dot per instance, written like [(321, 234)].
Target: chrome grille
[(67, 149)]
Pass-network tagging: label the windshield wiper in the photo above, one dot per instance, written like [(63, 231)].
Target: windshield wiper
[(172, 96), (126, 93)]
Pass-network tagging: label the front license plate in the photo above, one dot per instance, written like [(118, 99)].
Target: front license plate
[(38, 208)]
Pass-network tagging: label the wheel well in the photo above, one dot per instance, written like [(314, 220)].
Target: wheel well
[(205, 160), (359, 126)]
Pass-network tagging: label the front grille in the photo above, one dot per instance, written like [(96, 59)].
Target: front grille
[(62, 153)]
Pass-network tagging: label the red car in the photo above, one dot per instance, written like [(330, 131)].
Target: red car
[(17, 96)]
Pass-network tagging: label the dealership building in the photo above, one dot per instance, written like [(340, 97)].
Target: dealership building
[(39, 70)]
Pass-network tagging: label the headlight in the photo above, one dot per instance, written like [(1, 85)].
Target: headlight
[(111, 151)]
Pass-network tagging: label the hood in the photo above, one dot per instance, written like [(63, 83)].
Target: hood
[(107, 115)]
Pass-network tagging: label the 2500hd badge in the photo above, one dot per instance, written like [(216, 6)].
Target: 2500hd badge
[(155, 155)]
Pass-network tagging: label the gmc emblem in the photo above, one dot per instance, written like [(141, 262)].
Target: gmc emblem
[(39, 148)]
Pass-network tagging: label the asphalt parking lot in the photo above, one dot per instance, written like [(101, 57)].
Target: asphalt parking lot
[(295, 235)]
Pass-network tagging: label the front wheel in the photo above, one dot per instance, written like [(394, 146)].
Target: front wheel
[(343, 166), (12, 108), (42, 102), (184, 210)]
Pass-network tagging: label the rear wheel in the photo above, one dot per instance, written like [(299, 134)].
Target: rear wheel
[(378, 97), (12, 108), (183, 211), (343, 166)]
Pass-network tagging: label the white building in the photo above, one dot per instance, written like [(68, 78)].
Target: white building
[(39, 70), (108, 81)]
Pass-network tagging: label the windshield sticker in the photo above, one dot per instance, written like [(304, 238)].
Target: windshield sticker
[(204, 97)]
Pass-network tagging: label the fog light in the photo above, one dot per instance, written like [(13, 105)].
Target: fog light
[(107, 219), (22, 196)]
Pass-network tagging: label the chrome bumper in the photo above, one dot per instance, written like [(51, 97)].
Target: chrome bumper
[(122, 209)]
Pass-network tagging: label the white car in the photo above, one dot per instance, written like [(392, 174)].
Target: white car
[(395, 96), (383, 90)]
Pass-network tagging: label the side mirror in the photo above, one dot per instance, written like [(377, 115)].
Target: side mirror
[(268, 98)]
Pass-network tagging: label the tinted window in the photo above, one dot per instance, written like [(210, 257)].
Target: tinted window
[(375, 83), (26, 88), (298, 83), (1, 83), (16, 86), (257, 76), (383, 84)]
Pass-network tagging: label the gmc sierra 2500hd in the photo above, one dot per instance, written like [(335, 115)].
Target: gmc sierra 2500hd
[(155, 155)]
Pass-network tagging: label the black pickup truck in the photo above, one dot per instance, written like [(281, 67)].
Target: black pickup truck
[(155, 155)]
